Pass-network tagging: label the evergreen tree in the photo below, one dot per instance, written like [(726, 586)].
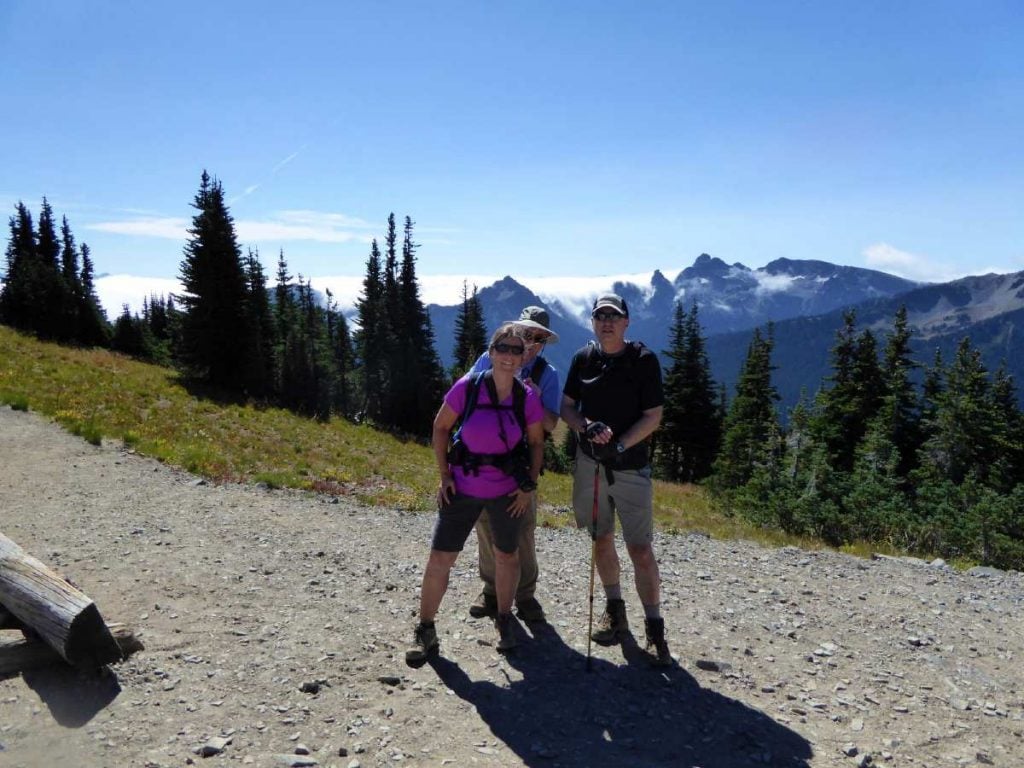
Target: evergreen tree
[(93, 328), (416, 395), (217, 341), (284, 303), (962, 439), (392, 299), (1008, 470), (21, 297), (470, 332), (131, 336), (845, 409), (156, 318), (394, 336), (313, 358), (931, 390), (372, 338), (899, 417), (341, 346), (690, 429), (155, 313), (262, 374), (876, 505), (751, 420), (54, 294), (72, 287)]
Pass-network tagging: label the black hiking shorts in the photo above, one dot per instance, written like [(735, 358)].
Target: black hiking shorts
[(456, 519)]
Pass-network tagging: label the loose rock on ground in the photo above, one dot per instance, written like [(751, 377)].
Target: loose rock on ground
[(275, 626)]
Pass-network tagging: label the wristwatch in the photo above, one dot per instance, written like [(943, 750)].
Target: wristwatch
[(528, 485), (619, 447)]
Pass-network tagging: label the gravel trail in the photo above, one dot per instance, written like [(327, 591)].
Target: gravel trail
[(275, 624)]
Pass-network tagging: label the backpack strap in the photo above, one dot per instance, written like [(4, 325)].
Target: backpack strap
[(518, 402), (472, 393), (459, 455), (540, 365)]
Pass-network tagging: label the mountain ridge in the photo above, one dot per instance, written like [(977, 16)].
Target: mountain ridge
[(803, 299)]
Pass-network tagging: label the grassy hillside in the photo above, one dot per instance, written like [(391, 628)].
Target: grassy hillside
[(101, 395)]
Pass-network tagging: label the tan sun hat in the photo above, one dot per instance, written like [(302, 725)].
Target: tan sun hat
[(537, 318)]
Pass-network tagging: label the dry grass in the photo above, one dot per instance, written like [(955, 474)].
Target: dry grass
[(101, 395)]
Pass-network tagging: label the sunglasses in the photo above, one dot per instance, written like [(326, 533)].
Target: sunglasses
[(604, 317), (508, 349), (536, 338)]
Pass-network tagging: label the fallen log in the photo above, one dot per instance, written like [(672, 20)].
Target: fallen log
[(20, 655), (59, 613)]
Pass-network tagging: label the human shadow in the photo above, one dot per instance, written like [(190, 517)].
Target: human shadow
[(629, 714)]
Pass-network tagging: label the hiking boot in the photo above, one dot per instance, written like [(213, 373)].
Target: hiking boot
[(612, 626), (506, 633), (485, 606), (424, 643), (656, 645), (529, 610)]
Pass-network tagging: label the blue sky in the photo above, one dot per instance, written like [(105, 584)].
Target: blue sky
[(537, 139)]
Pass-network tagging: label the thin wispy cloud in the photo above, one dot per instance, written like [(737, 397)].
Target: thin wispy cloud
[(285, 162), (911, 266), (280, 226), (255, 232), (273, 172), (167, 228)]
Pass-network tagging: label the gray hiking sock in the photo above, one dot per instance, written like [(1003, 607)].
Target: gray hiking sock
[(652, 611), (613, 591)]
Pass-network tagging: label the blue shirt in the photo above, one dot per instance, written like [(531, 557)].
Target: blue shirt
[(550, 392)]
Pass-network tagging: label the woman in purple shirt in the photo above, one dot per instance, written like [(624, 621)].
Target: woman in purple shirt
[(492, 472)]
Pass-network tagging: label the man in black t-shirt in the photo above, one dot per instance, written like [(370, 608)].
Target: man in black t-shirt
[(613, 400)]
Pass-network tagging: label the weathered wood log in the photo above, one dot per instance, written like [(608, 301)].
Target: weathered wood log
[(63, 617), (19, 655)]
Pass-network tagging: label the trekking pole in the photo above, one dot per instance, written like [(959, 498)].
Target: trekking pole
[(593, 553)]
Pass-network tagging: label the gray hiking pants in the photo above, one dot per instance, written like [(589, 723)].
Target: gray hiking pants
[(528, 569)]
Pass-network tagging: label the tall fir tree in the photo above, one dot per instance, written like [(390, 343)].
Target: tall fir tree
[(93, 327), (341, 346), (690, 428), (752, 418), (217, 340), (314, 359), (417, 395), (1008, 470), (962, 430), (372, 339), (845, 408), (72, 294), (899, 414), (20, 299), (470, 332), (55, 294), (262, 374), (131, 336)]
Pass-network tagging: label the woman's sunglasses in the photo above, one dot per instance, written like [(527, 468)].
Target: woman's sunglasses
[(508, 349)]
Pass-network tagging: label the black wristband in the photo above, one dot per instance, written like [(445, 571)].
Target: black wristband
[(528, 486)]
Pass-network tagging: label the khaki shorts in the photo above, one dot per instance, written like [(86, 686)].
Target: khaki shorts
[(630, 497)]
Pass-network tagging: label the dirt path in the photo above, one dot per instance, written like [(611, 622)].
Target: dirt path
[(277, 621)]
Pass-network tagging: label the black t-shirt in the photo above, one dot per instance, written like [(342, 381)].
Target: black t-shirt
[(615, 389)]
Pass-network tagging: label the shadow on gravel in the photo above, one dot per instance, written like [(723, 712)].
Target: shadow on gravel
[(72, 696), (618, 715)]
